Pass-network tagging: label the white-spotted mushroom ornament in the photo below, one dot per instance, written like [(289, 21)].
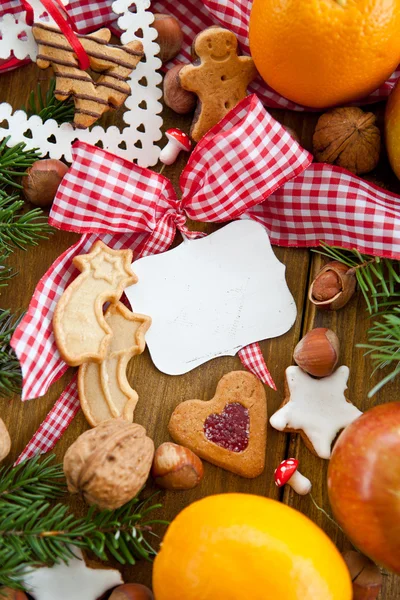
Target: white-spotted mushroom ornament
[(177, 142), (287, 473)]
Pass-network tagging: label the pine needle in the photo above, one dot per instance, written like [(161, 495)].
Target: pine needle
[(10, 370), (33, 532), (14, 162), (379, 282), (48, 107), (19, 229)]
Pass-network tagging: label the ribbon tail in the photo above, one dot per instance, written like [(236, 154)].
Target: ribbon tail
[(253, 359), (55, 424)]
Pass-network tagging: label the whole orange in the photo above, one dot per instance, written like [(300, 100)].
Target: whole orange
[(325, 52), (240, 546)]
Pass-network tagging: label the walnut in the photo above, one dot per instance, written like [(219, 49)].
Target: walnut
[(110, 463), (348, 137)]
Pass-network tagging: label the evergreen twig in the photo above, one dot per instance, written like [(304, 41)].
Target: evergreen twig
[(14, 162), (18, 229), (10, 370), (33, 533), (48, 107), (379, 282)]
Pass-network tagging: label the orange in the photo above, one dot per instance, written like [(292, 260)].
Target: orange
[(242, 547), (325, 52)]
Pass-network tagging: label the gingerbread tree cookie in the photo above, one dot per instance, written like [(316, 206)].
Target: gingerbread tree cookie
[(219, 77), (91, 98)]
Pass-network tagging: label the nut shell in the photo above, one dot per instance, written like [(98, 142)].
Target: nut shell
[(365, 575), (42, 179), (131, 591), (109, 464), (175, 97), (176, 467), (318, 352), (333, 286), (9, 594), (348, 137), (170, 36)]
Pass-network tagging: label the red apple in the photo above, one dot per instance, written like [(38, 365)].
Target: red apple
[(364, 484)]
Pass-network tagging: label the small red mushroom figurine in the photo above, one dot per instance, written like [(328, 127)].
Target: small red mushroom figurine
[(287, 473), (177, 141)]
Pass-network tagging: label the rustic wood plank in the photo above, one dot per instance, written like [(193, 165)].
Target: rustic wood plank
[(159, 393)]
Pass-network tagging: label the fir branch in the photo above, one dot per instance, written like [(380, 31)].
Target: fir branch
[(48, 107), (10, 370), (31, 481), (32, 532), (18, 230), (379, 282), (14, 162)]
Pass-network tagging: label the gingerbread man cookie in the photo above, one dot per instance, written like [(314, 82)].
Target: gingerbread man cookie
[(315, 408), (230, 430), (79, 326), (91, 98), (219, 77), (104, 391)]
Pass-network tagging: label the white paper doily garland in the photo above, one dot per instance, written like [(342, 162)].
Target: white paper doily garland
[(137, 140)]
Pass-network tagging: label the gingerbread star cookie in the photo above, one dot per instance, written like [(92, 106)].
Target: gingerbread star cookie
[(80, 329), (230, 430), (315, 408), (104, 390), (219, 77)]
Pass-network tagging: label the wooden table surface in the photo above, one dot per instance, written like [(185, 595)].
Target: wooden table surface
[(160, 393)]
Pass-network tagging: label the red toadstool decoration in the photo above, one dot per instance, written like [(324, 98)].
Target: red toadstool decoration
[(177, 141), (287, 473)]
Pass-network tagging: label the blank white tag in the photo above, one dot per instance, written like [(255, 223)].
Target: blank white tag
[(212, 296)]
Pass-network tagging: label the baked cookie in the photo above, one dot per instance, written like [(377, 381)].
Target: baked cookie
[(230, 430), (91, 98), (317, 409), (219, 77), (80, 329), (104, 391)]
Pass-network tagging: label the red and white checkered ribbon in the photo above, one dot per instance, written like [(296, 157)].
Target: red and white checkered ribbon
[(247, 166), (194, 16)]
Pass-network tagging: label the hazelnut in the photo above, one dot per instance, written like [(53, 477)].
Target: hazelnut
[(9, 594), (333, 286), (40, 184), (176, 467), (110, 463), (5, 441), (131, 591), (348, 137), (179, 100), (318, 352), (170, 36), (365, 575)]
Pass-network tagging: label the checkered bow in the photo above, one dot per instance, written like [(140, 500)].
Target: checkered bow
[(247, 166), (194, 16)]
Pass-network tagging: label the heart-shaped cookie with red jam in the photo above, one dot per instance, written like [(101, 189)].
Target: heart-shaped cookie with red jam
[(230, 430)]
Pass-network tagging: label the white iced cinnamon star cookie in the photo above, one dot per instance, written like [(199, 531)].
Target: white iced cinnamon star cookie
[(315, 408)]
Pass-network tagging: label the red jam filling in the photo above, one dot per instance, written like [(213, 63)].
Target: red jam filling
[(229, 429)]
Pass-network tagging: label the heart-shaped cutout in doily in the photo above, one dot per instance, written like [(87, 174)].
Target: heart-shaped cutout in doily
[(230, 430)]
